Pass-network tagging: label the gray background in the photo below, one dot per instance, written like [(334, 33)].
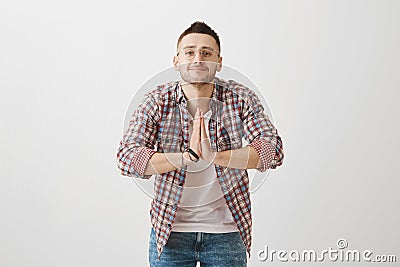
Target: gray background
[(328, 69)]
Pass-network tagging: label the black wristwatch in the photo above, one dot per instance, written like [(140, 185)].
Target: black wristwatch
[(194, 154)]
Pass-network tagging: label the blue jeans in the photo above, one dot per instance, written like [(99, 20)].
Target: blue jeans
[(185, 249)]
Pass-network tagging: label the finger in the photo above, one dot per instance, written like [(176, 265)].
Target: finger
[(203, 129), (196, 129), (201, 126), (197, 114), (196, 121), (196, 117)]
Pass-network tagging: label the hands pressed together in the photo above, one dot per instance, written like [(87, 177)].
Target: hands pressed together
[(200, 142)]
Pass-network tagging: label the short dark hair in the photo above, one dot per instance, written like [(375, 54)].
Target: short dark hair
[(200, 27)]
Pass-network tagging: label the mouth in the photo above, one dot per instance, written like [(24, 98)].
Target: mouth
[(201, 69)]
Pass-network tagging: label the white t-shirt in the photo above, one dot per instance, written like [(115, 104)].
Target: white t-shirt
[(202, 207)]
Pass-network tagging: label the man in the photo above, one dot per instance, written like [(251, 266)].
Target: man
[(189, 134)]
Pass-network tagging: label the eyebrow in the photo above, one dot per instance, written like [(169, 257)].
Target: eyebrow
[(193, 46)]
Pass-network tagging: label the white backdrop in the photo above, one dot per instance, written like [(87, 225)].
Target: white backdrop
[(68, 70)]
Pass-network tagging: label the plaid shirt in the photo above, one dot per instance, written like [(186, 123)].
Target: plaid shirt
[(161, 124)]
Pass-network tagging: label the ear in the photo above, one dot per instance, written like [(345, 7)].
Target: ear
[(219, 65), (175, 63)]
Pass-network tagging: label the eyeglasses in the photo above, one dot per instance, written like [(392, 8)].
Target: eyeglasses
[(190, 53)]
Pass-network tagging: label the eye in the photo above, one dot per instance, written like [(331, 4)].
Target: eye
[(189, 52), (207, 53)]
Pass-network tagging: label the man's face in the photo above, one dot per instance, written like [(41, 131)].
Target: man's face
[(198, 58)]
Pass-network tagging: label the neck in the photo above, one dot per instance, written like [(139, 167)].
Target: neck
[(197, 95), (197, 90)]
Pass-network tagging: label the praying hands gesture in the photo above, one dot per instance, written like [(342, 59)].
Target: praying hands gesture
[(200, 142)]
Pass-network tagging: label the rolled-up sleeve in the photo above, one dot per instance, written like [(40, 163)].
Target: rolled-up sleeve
[(266, 152), (261, 133), (137, 145)]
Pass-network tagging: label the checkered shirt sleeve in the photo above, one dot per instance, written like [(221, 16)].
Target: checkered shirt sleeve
[(137, 146), (261, 134)]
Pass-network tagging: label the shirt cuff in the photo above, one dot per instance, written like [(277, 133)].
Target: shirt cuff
[(140, 158), (266, 152)]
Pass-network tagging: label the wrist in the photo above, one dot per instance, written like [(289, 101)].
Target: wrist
[(185, 158), (212, 157), (193, 155)]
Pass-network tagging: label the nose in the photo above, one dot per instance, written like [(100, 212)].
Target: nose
[(197, 56)]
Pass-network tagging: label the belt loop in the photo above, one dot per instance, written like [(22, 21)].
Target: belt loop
[(198, 238)]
